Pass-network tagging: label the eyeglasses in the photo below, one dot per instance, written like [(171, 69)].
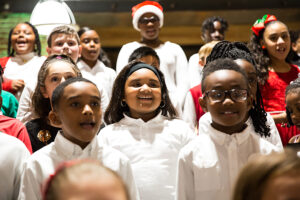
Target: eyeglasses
[(146, 20), (237, 95)]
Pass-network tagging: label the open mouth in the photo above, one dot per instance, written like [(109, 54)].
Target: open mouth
[(88, 125), (281, 49), (21, 42), (229, 113)]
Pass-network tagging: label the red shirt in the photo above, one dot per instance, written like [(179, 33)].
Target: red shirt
[(196, 94), (14, 127)]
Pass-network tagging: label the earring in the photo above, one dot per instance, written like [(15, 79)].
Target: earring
[(263, 47), (123, 103), (162, 104)]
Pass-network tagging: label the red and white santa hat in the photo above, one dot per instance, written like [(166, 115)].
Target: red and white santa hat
[(147, 7)]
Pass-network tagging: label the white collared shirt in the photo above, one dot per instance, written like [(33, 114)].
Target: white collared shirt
[(209, 165), (13, 154), (43, 163), (101, 75), (152, 148)]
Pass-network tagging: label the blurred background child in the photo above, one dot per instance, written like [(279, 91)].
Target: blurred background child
[(147, 55), (85, 179)]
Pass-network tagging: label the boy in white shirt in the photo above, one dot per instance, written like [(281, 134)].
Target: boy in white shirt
[(77, 111), (208, 166)]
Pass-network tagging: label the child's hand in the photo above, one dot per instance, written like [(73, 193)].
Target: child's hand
[(17, 85)]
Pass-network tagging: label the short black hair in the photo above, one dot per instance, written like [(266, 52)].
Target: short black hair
[(143, 52), (294, 35), (221, 64), (293, 87), (208, 24), (57, 93)]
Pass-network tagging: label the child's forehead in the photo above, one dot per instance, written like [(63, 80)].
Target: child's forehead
[(63, 36), (81, 89), (224, 77)]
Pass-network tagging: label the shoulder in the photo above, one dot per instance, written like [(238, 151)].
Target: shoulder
[(263, 146), (10, 142), (4, 60)]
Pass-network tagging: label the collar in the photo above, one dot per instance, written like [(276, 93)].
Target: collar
[(70, 150), (98, 66), (154, 121), (221, 137)]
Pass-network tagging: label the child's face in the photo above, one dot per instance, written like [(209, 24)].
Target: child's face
[(79, 112), (58, 72), (228, 114), (106, 188), (217, 34), (251, 74), (64, 44), (284, 187), (296, 46), (143, 94), (276, 39), (293, 105), (90, 43), (23, 39), (149, 26), (150, 60)]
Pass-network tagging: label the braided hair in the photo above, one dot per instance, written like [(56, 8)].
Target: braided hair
[(238, 50), (37, 42)]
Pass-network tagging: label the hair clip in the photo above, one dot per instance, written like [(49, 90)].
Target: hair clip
[(259, 24)]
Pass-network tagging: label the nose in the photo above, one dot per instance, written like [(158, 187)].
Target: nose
[(62, 79), (280, 40), (145, 87), (227, 100), (87, 110)]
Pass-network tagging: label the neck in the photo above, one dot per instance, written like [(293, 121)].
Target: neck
[(229, 130), (152, 43), (279, 66), (90, 63)]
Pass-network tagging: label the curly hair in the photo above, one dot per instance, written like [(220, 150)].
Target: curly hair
[(37, 42), (261, 55), (238, 50), (41, 105), (115, 109)]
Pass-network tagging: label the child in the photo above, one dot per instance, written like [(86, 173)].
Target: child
[(209, 164), (147, 18), (147, 55), (89, 64), (76, 110), (12, 126), (213, 29), (274, 176), (62, 40), (262, 123), (13, 156), (55, 70), (24, 58), (85, 179), (270, 44), (192, 110), (142, 125), (294, 55), (292, 99)]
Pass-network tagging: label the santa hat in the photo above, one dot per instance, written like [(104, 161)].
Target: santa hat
[(147, 7)]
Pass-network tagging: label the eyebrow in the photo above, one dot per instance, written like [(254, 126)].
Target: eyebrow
[(79, 96)]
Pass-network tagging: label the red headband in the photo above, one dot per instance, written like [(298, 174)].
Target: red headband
[(259, 25)]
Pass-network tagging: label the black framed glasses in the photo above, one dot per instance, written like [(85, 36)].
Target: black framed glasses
[(237, 95), (146, 20)]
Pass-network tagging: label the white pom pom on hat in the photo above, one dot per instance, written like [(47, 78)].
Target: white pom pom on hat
[(147, 7)]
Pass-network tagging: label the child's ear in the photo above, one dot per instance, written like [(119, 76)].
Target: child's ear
[(294, 46), (49, 51), (250, 101), (44, 93), (262, 42), (80, 50), (202, 103), (54, 119)]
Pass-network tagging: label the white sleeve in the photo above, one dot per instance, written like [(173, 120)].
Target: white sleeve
[(25, 111), (122, 59), (185, 178), (195, 70), (275, 137), (30, 188), (189, 111)]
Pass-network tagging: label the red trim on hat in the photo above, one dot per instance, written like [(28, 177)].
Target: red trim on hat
[(146, 3)]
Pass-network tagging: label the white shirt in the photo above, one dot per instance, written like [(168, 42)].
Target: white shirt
[(13, 154), (209, 165), (101, 75), (26, 112), (274, 138), (189, 111), (152, 148), (173, 64), (24, 67), (195, 70), (43, 163)]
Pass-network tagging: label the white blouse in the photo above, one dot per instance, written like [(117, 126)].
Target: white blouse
[(101, 75), (274, 138), (209, 165), (13, 154), (152, 148), (43, 162)]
